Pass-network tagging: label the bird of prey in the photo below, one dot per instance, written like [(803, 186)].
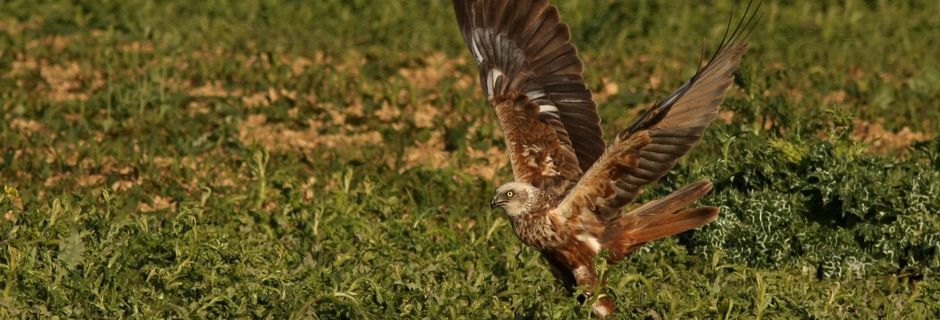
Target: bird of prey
[(570, 188)]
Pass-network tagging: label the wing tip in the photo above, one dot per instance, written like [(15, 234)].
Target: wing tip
[(545, 57), (726, 58)]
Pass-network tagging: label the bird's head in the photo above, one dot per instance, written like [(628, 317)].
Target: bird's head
[(513, 198)]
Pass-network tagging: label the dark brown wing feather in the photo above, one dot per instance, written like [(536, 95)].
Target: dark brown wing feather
[(523, 49), (649, 148)]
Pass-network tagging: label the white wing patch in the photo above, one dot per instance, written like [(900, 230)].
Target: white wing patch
[(547, 166), (475, 48), (548, 169), (491, 78), (569, 100), (535, 94), (530, 153), (547, 108), (591, 241)]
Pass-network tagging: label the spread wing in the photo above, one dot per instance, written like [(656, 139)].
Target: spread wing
[(649, 148), (531, 74)]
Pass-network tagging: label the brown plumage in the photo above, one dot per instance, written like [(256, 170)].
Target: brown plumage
[(570, 189)]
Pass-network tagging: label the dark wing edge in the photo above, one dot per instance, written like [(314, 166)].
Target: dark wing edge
[(522, 47), (681, 106), (644, 152), (678, 122)]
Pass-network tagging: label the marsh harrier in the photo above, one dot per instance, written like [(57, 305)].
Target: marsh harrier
[(570, 188)]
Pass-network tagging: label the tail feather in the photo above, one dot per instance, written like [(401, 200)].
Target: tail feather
[(685, 221), (658, 219)]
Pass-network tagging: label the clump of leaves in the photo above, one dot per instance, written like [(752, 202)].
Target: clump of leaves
[(790, 199)]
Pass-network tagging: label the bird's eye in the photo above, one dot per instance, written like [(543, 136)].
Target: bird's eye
[(509, 194)]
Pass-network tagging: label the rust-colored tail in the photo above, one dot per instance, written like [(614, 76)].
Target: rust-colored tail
[(657, 219)]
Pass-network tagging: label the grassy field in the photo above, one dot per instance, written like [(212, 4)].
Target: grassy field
[(335, 159)]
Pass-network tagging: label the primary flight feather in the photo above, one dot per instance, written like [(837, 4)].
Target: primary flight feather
[(570, 188)]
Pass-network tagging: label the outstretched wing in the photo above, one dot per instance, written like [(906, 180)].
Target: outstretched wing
[(649, 148), (531, 73)]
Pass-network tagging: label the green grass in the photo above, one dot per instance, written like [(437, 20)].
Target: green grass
[(334, 159)]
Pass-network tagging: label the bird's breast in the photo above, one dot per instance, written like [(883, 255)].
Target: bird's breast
[(538, 230)]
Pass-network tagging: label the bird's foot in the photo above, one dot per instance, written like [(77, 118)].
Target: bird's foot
[(602, 308)]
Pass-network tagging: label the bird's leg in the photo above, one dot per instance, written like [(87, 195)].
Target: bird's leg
[(586, 277), (560, 270)]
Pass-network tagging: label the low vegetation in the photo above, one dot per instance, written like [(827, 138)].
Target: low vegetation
[(335, 159)]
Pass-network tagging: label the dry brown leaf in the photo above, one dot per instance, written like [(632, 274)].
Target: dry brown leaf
[(56, 42), (137, 46), (278, 137), (14, 27), (726, 116), (22, 67), (608, 89), (835, 97), (211, 89), (881, 140), (425, 115), (256, 99), (53, 180), (297, 65), (654, 81), (27, 126), (437, 67), (428, 153), (387, 113), (64, 82), (159, 203), (122, 185), (163, 162), (795, 95), (89, 180), (196, 107), (486, 164)]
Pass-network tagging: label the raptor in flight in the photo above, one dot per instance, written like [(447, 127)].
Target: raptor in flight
[(570, 188)]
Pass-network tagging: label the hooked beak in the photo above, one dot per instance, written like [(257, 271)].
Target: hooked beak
[(494, 204)]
